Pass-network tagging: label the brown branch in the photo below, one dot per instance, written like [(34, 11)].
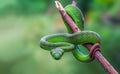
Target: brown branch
[(106, 65), (66, 17)]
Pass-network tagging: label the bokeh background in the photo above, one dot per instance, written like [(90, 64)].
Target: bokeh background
[(24, 22)]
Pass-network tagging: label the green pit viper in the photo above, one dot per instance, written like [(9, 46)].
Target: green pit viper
[(59, 43)]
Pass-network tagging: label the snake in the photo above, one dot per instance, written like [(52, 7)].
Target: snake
[(59, 43)]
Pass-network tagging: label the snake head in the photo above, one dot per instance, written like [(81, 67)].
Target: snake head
[(57, 53)]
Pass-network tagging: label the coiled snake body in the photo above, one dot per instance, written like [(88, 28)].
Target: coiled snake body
[(59, 43)]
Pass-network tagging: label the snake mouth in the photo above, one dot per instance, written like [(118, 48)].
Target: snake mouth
[(56, 56)]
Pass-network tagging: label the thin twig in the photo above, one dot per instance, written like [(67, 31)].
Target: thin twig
[(74, 3), (106, 65)]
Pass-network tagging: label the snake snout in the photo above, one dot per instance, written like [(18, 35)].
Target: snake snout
[(57, 53)]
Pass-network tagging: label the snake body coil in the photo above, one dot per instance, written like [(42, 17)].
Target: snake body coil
[(64, 42), (76, 15)]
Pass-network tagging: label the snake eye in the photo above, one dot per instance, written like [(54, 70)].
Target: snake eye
[(57, 53)]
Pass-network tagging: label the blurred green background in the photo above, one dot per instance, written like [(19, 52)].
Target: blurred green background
[(24, 22)]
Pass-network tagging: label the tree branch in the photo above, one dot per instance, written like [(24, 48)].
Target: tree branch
[(106, 65)]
